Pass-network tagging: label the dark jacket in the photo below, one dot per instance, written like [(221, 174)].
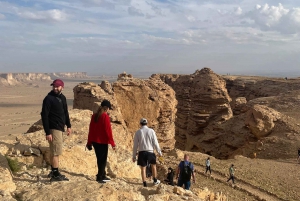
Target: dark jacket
[(55, 113), (170, 178)]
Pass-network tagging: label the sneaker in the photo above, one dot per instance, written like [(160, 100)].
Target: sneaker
[(157, 182), (101, 182), (59, 178), (50, 174), (106, 179)]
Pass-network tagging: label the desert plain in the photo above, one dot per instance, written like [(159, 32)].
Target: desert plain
[(256, 178)]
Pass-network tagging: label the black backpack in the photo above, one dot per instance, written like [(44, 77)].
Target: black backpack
[(186, 172)]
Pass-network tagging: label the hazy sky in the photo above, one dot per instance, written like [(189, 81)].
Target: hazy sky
[(150, 36)]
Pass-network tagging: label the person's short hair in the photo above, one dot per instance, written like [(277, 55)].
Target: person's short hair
[(143, 121)]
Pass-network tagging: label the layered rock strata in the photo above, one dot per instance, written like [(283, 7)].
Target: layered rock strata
[(133, 99), (263, 114), (202, 99)]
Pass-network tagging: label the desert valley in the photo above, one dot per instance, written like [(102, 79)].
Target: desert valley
[(249, 121)]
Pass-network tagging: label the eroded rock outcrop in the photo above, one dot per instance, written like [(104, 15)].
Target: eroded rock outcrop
[(261, 120), (252, 87), (7, 186), (131, 100), (205, 122), (12, 79), (202, 98)]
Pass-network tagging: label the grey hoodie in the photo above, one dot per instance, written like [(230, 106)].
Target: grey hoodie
[(145, 140)]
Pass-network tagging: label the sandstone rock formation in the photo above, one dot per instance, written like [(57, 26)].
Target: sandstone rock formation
[(131, 100), (7, 79), (236, 117), (202, 98), (80, 166), (67, 75), (7, 185), (12, 79), (261, 120), (256, 87)]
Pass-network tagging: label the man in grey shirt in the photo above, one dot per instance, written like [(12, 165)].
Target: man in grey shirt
[(145, 142)]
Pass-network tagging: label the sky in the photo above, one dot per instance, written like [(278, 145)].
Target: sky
[(108, 37)]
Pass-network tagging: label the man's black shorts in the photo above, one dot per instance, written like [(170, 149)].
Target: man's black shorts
[(144, 157)]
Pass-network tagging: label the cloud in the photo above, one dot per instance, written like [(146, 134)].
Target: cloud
[(99, 3), (2, 16), (238, 11), (53, 15), (134, 11), (276, 18)]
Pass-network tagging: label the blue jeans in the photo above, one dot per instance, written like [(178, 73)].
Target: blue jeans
[(187, 184)]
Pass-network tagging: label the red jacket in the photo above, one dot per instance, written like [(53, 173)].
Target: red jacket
[(100, 131)]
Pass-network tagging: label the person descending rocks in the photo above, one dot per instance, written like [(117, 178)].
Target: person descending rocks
[(231, 173), (184, 173), (145, 141), (100, 135), (170, 177), (207, 163)]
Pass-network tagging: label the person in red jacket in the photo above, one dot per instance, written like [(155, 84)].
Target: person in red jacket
[(100, 135)]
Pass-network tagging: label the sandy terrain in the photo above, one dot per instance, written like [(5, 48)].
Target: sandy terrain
[(20, 106)]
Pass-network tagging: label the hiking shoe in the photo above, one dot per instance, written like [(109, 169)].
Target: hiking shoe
[(106, 179), (59, 178), (101, 181), (50, 174), (157, 182)]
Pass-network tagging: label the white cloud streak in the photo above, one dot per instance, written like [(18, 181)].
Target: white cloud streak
[(53, 15)]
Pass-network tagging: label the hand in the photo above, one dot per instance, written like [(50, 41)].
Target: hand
[(69, 131), (133, 160), (114, 148), (49, 138), (89, 147), (194, 181)]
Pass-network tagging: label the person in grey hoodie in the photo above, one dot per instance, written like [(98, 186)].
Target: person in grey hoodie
[(145, 141)]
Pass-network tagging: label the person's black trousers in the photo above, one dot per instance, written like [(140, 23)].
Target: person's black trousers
[(208, 168), (231, 178), (101, 151)]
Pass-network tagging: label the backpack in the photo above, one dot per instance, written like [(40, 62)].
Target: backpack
[(186, 172)]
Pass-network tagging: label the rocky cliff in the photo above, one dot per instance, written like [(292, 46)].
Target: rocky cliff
[(131, 100), (68, 75), (31, 151), (19, 78), (225, 116), (202, 99), (12, 79)]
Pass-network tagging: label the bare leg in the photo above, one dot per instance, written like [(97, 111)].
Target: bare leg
[(55, 161), (154, 172), (143, 173)]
